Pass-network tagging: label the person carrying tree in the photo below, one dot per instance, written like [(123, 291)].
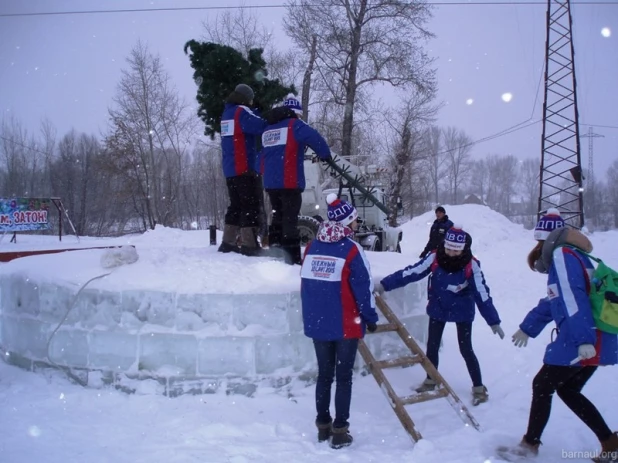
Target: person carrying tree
[(239, 129), (284, 142)]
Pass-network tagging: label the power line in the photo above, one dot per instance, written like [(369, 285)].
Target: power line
[(22, 145), (599, 125), (274, 6), (514, 128)]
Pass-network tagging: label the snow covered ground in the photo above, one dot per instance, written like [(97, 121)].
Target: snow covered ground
[(45, 418)]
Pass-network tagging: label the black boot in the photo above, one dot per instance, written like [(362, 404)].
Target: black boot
[(229, 241), (341, 438), (249, 245), (324, 430), (292, 255), (274, 236)]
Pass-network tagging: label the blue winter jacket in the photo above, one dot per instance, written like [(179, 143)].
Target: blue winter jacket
[(336, 286), (239, 129), (568, 306), (451, 296), (284, 144)]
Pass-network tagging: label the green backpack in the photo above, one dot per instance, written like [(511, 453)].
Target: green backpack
[(604, 296)]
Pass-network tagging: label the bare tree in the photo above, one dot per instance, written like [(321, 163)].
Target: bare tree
[(612, 189), (502, 182), (242, 30), (593, 200), (458, 148), (479, 182), (363, 43), (48, 147), (150, 132), (408, 148), (204, 192), (529, 183), (434, 159), (75, 176), (238, 28), (21, 160)]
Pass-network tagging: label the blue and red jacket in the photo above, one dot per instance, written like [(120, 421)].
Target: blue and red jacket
[(567, 304), (451, 296), (336, 286), (284, 143), (239, 129)]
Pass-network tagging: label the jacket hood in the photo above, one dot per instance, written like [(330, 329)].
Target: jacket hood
[(333, 232), (561, 237), (279, 114)]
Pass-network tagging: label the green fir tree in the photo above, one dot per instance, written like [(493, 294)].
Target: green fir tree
[(217, 71)]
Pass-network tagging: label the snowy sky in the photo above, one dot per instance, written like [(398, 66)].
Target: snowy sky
[(66, 67)]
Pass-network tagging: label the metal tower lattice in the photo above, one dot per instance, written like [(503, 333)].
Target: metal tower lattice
[(561, 172)]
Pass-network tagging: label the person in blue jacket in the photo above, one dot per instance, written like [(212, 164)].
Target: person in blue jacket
[(579, 347), (284, 142), (456, 284), (239, 128), (337, 305)]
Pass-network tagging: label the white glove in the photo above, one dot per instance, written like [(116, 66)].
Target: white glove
[(520, 339), (585, 352), (497, 330), (378, 288)]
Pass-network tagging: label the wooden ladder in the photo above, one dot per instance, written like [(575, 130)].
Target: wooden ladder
[(418, 356)]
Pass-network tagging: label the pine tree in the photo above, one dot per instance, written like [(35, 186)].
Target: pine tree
[(217, 71)]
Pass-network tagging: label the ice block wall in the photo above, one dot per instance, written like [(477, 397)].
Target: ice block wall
[(170, 335)]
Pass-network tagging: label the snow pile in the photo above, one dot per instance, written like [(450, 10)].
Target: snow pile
[(119, 256)]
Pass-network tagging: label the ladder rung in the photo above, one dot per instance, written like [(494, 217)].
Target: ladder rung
[(384, 327), (399, 362), (424, 396)]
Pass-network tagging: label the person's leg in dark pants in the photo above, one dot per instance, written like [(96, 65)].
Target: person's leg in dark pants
[(291, 202), (568, 383), (276, 222), (464, 338), (249, 200), (335, 359), (326, 354), (231, 229), (232, 215), (346, 355), (262, 216), (434, 338), (571, 395)]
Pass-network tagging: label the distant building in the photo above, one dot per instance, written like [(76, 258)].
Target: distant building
[(473, 199)]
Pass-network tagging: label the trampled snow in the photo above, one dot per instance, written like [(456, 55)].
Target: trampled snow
[(45, 418)]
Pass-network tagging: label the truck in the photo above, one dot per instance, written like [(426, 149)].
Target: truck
[(374, 232)]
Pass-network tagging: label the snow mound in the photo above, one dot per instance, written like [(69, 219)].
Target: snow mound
[(487, 227), (119, 256)]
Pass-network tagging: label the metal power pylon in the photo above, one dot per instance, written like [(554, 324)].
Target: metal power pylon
[(561, 172), (591, 135)]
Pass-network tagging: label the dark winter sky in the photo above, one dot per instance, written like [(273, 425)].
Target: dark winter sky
[(66, 67)]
